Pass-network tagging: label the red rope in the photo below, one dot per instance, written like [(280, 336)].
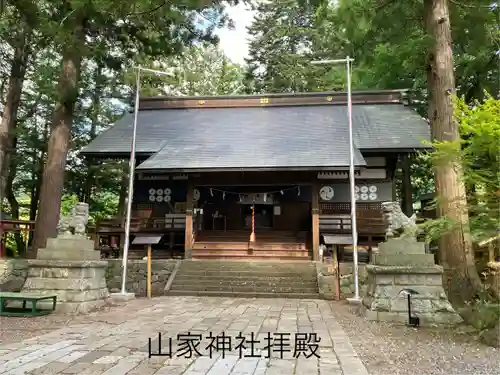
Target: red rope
[(252, 235), (253, 218)]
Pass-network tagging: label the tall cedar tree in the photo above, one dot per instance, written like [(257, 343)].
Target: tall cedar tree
[(281, 36), (19, 41), (456, 245), (88, 29)]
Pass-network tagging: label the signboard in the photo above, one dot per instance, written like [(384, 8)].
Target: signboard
[(337, 240), (147, 240)]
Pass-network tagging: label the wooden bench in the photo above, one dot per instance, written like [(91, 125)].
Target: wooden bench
[(25, 298)]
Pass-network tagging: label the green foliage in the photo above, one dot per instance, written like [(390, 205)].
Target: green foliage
[(105, 204), (476, 153), (285, 39), (389, 43), (67, 203), (200, 69), (482, 314), (115, 36)]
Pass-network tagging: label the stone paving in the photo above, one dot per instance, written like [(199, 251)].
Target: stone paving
[(116, 342)]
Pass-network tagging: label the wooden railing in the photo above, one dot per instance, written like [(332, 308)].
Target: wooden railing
[(170, 221), (341, 224), (24, 227)]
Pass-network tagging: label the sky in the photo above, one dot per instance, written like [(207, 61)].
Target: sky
[(233, 42)]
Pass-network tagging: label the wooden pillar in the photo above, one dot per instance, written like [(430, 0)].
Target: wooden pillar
[(406, 188), (149, 272), (188, 242), (315, 221)]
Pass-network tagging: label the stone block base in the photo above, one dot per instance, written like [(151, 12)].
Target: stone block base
[(426, 319), (326, 286), (119, 298), (80, 286), (13, 273), (347, 279), (136, 282), (82, 307), (385, 302), (327, 279)]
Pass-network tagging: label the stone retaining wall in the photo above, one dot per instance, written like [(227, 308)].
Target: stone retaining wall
[(137, 276), (13, 274), (326, 280), (347, 279)]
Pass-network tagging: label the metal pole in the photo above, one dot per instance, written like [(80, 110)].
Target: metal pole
[(130, 183), (352, 181)]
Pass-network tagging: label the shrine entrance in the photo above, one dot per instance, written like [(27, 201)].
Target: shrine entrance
[(263, 216), (257, 222)]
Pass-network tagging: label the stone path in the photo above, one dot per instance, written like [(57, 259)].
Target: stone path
[(116, 342)]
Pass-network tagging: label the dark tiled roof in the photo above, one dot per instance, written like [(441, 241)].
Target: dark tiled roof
[(252, 138), (293, 136)]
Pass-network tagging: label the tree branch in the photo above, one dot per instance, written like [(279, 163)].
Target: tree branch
[(457, 3), (384, 4), (147, 11)]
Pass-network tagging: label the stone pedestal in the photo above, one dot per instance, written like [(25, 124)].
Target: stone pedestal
[(70, 268), (13, 273), (403, 264)]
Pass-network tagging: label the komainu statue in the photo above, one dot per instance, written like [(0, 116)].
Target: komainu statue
[(76, 222), (397, 223)]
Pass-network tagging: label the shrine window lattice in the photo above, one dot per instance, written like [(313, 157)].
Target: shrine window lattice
[(361, 208)]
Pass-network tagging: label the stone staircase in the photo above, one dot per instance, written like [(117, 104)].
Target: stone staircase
[(246, 279)]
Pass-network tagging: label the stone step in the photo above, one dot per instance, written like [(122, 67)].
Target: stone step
[(249, 276), (249, 264), (251, 269), (185, 282), (246, 288), (243, 294), (414, 260)]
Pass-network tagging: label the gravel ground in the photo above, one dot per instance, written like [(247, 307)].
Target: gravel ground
[(400, 350), (14, 329)]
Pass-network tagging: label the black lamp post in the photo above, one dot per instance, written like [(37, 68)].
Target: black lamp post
[(413, 321)]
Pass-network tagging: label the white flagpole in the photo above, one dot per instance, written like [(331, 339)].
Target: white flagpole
[(131, 182), (352, 180), (354, 226), (131, 177)]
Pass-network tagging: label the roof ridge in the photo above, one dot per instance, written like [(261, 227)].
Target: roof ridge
[(274, 99)]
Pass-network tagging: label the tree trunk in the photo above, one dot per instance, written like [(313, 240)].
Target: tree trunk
[(13, 203), (9, 116), (94, 116), (406, 188), (462, 281), (37, 173), (53, 175)]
